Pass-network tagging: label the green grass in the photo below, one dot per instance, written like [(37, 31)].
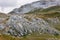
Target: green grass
[(30, 37), (57, 27), (7, 37), (45, 11), (54, 8)]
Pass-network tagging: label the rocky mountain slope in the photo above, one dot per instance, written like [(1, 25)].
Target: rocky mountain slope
[(39, 21), (32, 22), (42, 4)]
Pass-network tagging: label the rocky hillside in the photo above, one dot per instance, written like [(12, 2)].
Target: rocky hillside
[(39, 22), (26, 24)]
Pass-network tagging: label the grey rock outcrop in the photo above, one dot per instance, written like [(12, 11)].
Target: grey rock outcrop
[(19, 26)]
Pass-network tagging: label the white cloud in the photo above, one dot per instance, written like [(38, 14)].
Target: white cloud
[(11, 4), (8, 3)]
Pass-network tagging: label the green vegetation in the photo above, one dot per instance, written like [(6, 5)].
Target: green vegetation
[(2, 15), (30, 37), (57, 27), (7, 37), (46, 11), (54, 8), (27, 18)]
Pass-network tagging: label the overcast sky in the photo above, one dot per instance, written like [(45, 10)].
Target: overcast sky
[(8, 5)]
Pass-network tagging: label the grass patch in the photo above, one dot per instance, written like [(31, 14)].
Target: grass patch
[(30, 37)]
